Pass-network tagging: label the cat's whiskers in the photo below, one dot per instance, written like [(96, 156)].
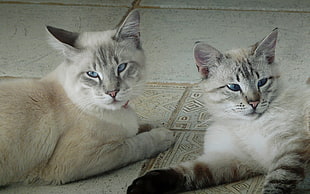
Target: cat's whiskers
[(134, 91)]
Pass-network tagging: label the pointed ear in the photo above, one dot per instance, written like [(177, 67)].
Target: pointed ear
[(267, 46), (205, 57), (130, 28), (63, 40)]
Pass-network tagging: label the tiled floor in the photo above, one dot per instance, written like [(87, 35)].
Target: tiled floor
[(169, 30)]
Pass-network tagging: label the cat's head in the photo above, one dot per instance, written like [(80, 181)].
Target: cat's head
[(102, 69), (240, 83)]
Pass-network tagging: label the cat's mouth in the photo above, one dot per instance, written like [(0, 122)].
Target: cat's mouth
[(253, 114)]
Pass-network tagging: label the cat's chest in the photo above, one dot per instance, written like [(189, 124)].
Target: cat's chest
[(256, 144), (125, 120)]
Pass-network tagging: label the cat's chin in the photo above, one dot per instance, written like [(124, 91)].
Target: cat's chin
[(246, 117), (251, 116), (114, 106)]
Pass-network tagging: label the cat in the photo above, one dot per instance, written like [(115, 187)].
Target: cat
[(77, 122), (258, 125)]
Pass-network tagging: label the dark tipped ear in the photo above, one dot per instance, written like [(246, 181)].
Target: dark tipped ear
[(65, 37), (267, 47), (130, 28), (205, 57)]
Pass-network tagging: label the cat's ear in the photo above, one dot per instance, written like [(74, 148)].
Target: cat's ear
[(63, 40), (267, 46), (130, 28), (206, 56)]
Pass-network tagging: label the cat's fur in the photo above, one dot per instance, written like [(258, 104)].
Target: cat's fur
[(260, 128), (76, 121)]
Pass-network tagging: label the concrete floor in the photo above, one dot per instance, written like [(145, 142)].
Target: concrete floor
[(169, 30)]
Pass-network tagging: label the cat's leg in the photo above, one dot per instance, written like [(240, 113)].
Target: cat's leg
[(222, 162), (207, 170), (287, 169), (84, 160)]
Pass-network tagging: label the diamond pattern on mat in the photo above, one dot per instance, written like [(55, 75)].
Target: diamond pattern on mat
[(191, 114), (158, 102)]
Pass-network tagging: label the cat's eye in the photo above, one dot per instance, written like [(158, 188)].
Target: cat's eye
[(92, 74), (121, 67), (262, 82), (234, 87)]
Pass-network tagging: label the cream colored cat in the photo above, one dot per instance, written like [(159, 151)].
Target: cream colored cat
[(76, 121)]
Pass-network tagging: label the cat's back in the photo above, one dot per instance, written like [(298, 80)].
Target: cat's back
[(293, 101), (26, 93), (26, 100), (31, 122)]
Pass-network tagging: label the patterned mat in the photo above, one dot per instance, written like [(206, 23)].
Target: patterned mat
[(179, 108)]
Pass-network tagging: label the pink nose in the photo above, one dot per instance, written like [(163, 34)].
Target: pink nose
[(254, 104), (113, 93)]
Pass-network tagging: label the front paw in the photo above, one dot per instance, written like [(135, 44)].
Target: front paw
[(163, 137), (145, 127), (278, 188), (156, 181)]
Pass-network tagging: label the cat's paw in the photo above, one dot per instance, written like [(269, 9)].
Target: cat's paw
[(279, 188), (163, 137), (156, 181), (145, 127)]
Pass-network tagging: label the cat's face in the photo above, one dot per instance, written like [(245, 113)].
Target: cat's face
[(240, 83), (104, 69)]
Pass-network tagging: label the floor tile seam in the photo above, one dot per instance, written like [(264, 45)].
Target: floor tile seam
[(61, 4), (222, 9), (185, 84), (135, 4)]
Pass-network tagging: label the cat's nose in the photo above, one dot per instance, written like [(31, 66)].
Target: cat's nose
[(254, 104), (113, 93)]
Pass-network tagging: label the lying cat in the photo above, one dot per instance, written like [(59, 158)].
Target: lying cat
[(259, 126), (76, 122)]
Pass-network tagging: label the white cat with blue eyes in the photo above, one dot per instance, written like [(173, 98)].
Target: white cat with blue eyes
[(259, 126), (76, 122)]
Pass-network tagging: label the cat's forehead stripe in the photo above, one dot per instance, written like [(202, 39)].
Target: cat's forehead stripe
[(116, 59), (106, 55), (101, 56), (94, 66), (238, 78), (245, 69)]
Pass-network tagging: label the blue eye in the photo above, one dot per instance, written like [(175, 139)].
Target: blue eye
[(93, 74), (234, 87), (262, 82), (121, 67)]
